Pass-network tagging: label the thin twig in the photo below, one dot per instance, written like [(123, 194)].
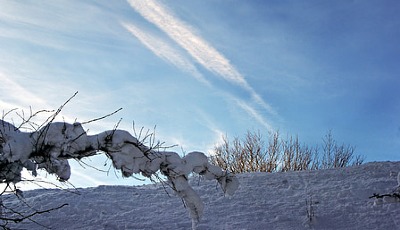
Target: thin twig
[(100, 118)]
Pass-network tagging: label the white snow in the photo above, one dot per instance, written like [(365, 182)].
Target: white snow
[(16, 146), (336, 198), (398, 179)]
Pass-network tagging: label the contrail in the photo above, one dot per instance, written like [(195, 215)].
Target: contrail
[(250, 110), (198, 48), (165, 51)]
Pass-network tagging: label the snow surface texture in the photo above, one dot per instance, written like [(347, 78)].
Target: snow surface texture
[(335, 199), (51, 146)]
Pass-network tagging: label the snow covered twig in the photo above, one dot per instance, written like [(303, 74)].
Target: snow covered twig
[(53, 144)]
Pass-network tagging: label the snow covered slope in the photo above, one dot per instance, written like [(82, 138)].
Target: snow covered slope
[(325, 199)]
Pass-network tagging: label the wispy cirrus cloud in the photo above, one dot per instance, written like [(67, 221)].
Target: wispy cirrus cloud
[(256, 115), (181, 33), (199, 49), (16, 96), (165, 51)]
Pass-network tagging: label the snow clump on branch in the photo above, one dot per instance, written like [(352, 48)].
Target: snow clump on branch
[(51, 146)]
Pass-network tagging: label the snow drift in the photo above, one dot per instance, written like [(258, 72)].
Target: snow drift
[(323, 199)]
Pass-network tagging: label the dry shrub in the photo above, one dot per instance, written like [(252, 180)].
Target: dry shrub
[(253, 154)]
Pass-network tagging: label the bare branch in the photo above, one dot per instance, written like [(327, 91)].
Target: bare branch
[(23, 216), (100, 118)]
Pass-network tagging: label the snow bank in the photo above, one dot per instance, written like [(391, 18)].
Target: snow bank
[(339, 200)]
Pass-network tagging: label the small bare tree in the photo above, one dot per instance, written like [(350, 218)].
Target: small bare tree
[(338, 156)]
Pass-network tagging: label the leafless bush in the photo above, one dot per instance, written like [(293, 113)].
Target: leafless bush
[(253, 154), (273, 157), (247, 155), (338, 156), (297, 156)]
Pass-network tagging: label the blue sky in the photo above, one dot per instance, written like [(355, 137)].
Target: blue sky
[(202, 69)]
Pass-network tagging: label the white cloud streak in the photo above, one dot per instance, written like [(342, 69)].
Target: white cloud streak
[(164, 51), (250, 110), (199, 49), (16, 95)]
